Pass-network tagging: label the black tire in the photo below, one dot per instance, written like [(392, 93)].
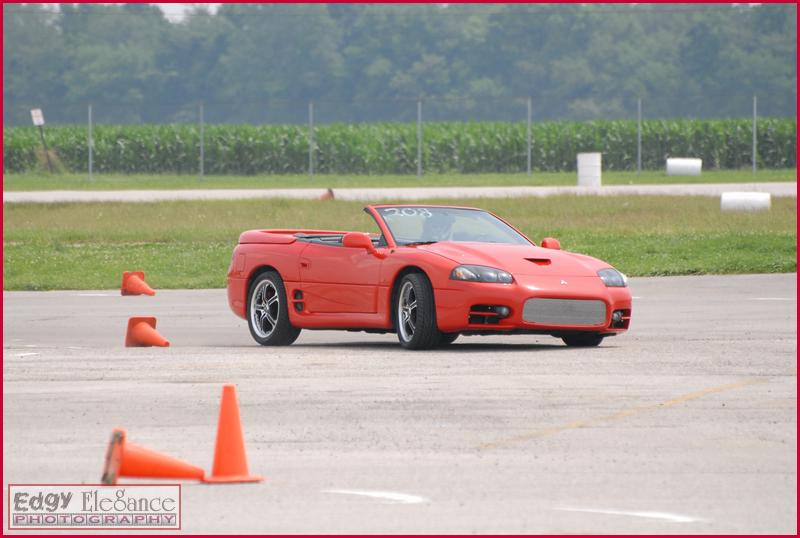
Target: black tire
[(583, 340), (445, 339), (416, 328), (269, 325)]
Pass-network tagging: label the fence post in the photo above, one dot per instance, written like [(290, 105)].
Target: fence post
[(311, 138), (755, 129), (419, 136), (529, 136), (639, 136), (91, 144), (202, 141)]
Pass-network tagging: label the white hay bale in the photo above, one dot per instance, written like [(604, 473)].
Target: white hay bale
[(745, 201), (684, 167)]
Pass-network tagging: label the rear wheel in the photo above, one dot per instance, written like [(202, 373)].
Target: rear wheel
[(583, 340), (415, 313), (268, 313)]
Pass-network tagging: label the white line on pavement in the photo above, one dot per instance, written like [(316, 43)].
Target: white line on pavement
[(673, 518), (771, 299), (388, 496)]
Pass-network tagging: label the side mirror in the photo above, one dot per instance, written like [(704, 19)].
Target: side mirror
[(551, 242), (359, 240)]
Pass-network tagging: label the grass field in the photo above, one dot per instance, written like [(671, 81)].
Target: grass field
[(188, 244), (43, 181)]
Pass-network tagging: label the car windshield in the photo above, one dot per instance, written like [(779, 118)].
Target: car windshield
[(421, 224)]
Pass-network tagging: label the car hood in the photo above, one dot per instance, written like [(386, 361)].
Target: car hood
[(517, 259)]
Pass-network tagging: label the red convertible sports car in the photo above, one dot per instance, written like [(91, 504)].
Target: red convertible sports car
[(431, 274)]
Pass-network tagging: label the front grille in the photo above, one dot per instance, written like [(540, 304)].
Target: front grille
[(564, 311)]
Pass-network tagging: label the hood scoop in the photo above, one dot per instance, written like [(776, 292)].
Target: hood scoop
[(539, 261)]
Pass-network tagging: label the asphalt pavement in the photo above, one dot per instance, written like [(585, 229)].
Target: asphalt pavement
[(687, 424), (787, 188)]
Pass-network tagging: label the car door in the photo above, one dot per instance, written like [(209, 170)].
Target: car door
[(338, 279)]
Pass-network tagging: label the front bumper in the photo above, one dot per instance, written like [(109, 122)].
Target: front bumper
[(460, 305)]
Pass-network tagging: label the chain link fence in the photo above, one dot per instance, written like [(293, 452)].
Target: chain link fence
[(401, 136)]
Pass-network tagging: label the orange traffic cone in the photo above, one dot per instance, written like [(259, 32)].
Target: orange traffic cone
[(127, 459), (142, 333), (230, 460), (133, 284)]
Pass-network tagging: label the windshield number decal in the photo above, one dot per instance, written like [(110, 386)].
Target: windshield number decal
[(406, 212)]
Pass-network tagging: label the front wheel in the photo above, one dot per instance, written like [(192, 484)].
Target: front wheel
[(583, 340), (268, 313), (415, 313)]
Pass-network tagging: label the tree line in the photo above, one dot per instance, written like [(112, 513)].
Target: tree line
[(263, 63)]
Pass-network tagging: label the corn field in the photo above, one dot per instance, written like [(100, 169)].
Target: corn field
[(391, 148)]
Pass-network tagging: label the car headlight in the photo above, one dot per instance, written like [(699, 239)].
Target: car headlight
[(613, 278), (480, 273)]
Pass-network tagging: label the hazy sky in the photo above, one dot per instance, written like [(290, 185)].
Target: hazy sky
[(176, 11), (173, 12)]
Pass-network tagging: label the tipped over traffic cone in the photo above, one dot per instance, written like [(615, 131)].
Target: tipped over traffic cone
[(230, 460), (133, 284), (142, 333), (127, 459)]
